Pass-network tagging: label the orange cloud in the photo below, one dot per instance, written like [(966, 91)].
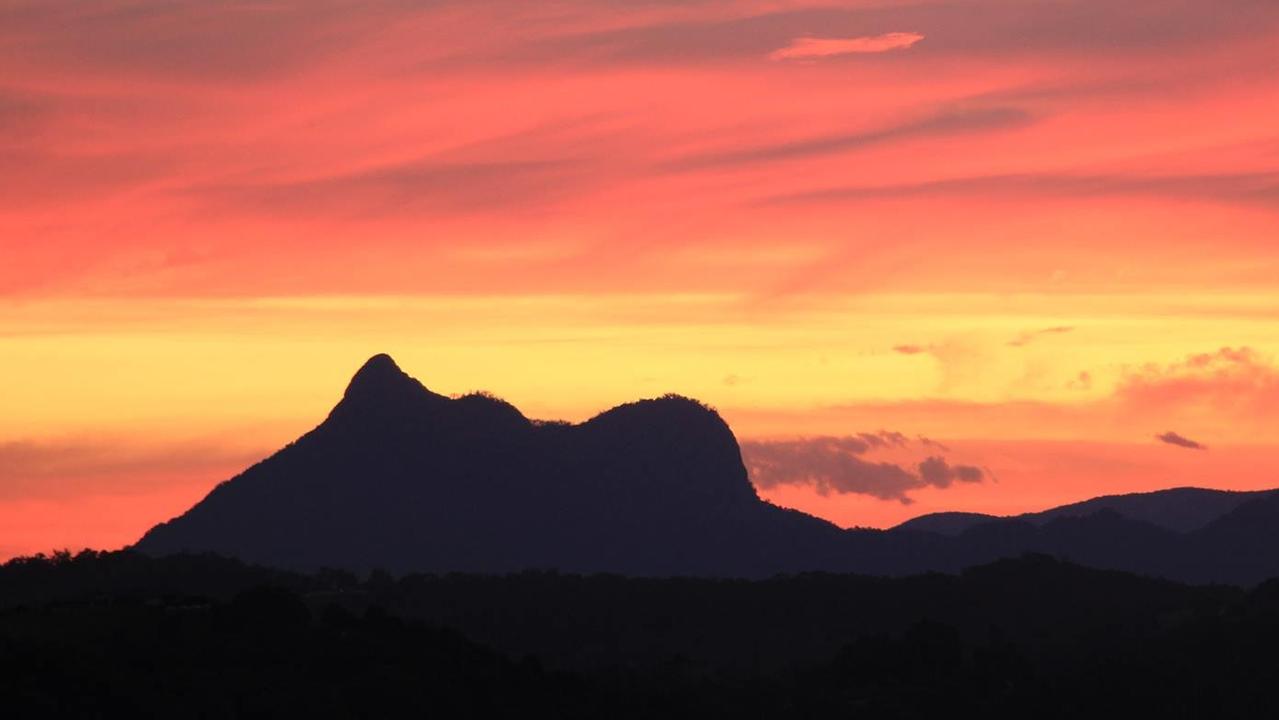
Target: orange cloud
[(1234, 387), (807, 48), (1225, 397)]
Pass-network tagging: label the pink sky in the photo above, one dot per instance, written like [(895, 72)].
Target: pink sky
[(1040, 234)]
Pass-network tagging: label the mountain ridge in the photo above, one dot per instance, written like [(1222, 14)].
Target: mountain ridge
[(412, 480), (1180, 509), (402, 478)]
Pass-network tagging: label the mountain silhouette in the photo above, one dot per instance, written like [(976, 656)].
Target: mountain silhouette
[(404, 479), (1178, 509), (1231, 537)]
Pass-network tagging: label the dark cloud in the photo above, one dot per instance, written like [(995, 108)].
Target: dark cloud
[(928, 442), (1173, 438), (835, 465), (953, 121), (937, 472)]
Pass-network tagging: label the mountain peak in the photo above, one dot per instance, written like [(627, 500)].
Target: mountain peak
[(378, 365), (378, 374), (381, 388)]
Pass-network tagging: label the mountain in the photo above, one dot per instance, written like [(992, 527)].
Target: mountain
[(1189, 534), (1177, 509), (1243, 544), (401, 478), (949, 524)]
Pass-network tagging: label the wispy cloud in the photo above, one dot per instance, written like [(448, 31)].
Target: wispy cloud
[(1261, 188), (1030, 336), (946, 122), (1229, 380), (424, 187), (809, 48), (910, 349)]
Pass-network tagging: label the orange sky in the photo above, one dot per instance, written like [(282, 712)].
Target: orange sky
[(1038, 234)]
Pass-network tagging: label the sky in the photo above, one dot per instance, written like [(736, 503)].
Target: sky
[(980, 255)]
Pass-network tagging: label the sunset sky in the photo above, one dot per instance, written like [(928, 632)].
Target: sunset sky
[(982, 255)]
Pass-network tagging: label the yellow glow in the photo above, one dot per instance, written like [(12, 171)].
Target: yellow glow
[(213, 366)]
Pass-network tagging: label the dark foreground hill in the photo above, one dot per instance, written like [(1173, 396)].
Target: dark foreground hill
[(401, 478), (121, 634)]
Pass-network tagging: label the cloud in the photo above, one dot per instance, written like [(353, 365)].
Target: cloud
[(1228, 382), (425, 186), (1026, 338), (835, 465), (1173, 438), (883, 439), (1229, 395), (910, 349), (807, 48), (1259, 188), (944, 123), (929, 442), (124, 117), (937, 472), (985, 29)]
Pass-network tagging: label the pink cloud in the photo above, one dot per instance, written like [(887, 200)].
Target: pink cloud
[(808, 48)]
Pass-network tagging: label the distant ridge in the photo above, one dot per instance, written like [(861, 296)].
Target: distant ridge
[(1182, 510), (402, 478)]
